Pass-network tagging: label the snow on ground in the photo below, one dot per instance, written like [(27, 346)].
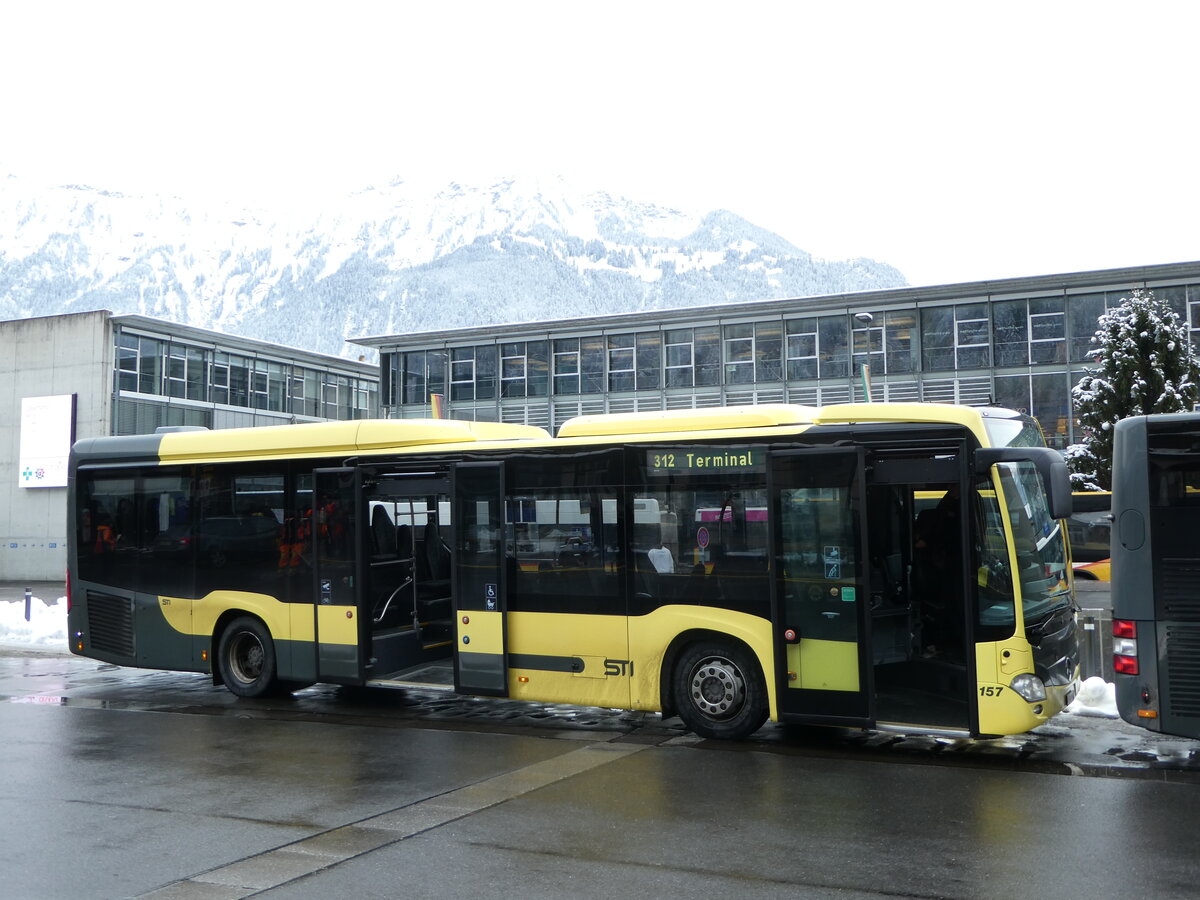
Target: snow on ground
[(47, 625), (1096, 697)]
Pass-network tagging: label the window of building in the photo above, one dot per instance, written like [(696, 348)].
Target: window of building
[(304, 391), (801, 349), (768, 350), (833, 346), (524, 369), (1010, 331), (186, 372), (389, 379), (239, 380), (680, 358), (537, 359), (1083, 315), (566, 366), (218, 378), (139, 364), (971, 336), (706, 348), (937, 338), (868, 345), (486, 371), (127, 362), (1047, 330), (512, 369), (739, 354), (593, 354), (620, 362), (414, 378), (649, 361), (1193, 316), (1051, 397), (899, 341), (462, 373)]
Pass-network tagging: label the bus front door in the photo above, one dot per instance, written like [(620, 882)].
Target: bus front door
[(481, 579), (337, 621), (819, 585)]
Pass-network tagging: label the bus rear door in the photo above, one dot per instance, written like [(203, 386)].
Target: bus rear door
[(820, 586)]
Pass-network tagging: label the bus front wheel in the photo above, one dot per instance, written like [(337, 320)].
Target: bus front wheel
[(246, 658), (719, 691)]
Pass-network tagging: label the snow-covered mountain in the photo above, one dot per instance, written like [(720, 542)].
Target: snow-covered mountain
[(390, 260)]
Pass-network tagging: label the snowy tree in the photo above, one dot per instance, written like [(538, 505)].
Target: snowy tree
[(1144, 364)]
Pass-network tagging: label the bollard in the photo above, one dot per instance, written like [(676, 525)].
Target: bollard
[(28, 599)]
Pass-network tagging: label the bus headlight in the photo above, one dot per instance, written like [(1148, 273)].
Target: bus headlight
[(1029, 686)]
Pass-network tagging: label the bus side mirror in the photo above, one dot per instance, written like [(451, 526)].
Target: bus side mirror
[(1051, 468)]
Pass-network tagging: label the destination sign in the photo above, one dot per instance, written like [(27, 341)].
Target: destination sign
[(705, 459)]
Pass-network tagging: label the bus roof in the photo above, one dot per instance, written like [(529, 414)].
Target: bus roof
[(307, 439), (768, 415), (375, 436)]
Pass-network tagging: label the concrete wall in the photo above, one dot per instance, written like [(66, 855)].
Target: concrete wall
[(40, 357)]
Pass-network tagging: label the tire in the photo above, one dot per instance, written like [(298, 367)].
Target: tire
[(246, 658), (719, 691)]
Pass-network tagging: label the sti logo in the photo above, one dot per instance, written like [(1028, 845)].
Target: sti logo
[(28, 474)]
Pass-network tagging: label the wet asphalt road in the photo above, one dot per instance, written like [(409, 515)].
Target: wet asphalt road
[(130, 783), (135, 783)]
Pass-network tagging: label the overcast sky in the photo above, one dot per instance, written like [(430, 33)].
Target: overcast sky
[(956, 141)]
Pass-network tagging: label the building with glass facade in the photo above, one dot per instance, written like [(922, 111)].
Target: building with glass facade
[(168, 374), (92, 374), (1020, 343)]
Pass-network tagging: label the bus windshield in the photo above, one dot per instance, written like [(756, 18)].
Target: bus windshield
[(1038, 541)]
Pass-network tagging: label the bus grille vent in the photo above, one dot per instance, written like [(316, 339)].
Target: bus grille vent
[(1183, 670), (1179, 590), (111, 621)]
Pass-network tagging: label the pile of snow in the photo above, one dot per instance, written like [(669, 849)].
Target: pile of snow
[(47, 625), (1096, 697)]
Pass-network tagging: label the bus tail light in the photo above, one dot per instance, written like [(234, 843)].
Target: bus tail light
[(1124, 628), (1125, 649), (1125, 665)]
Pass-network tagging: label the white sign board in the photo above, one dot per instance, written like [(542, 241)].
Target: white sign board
[(47, 431)]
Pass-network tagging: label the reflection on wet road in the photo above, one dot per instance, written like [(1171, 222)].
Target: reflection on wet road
[(1069, 744)]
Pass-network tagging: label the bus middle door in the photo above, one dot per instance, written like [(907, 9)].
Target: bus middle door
[(338, 624), (820, 588), (481, 572)]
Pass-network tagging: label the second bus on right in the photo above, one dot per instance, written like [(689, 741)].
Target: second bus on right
[(1156, 571)]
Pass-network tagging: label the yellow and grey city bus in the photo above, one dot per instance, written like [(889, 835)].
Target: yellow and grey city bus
[(725, 565), (1156, 571)]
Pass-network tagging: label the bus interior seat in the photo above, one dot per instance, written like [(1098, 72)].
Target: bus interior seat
[(383, 535), (646, 577), (434, 601)]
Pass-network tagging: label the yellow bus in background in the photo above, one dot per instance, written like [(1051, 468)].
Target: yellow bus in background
[(1090, 531)]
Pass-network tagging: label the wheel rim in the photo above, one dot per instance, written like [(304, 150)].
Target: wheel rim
[(717, 688), (246, 657)]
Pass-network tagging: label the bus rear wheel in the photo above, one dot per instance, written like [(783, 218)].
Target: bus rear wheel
[(246, 658), (719, 691)]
